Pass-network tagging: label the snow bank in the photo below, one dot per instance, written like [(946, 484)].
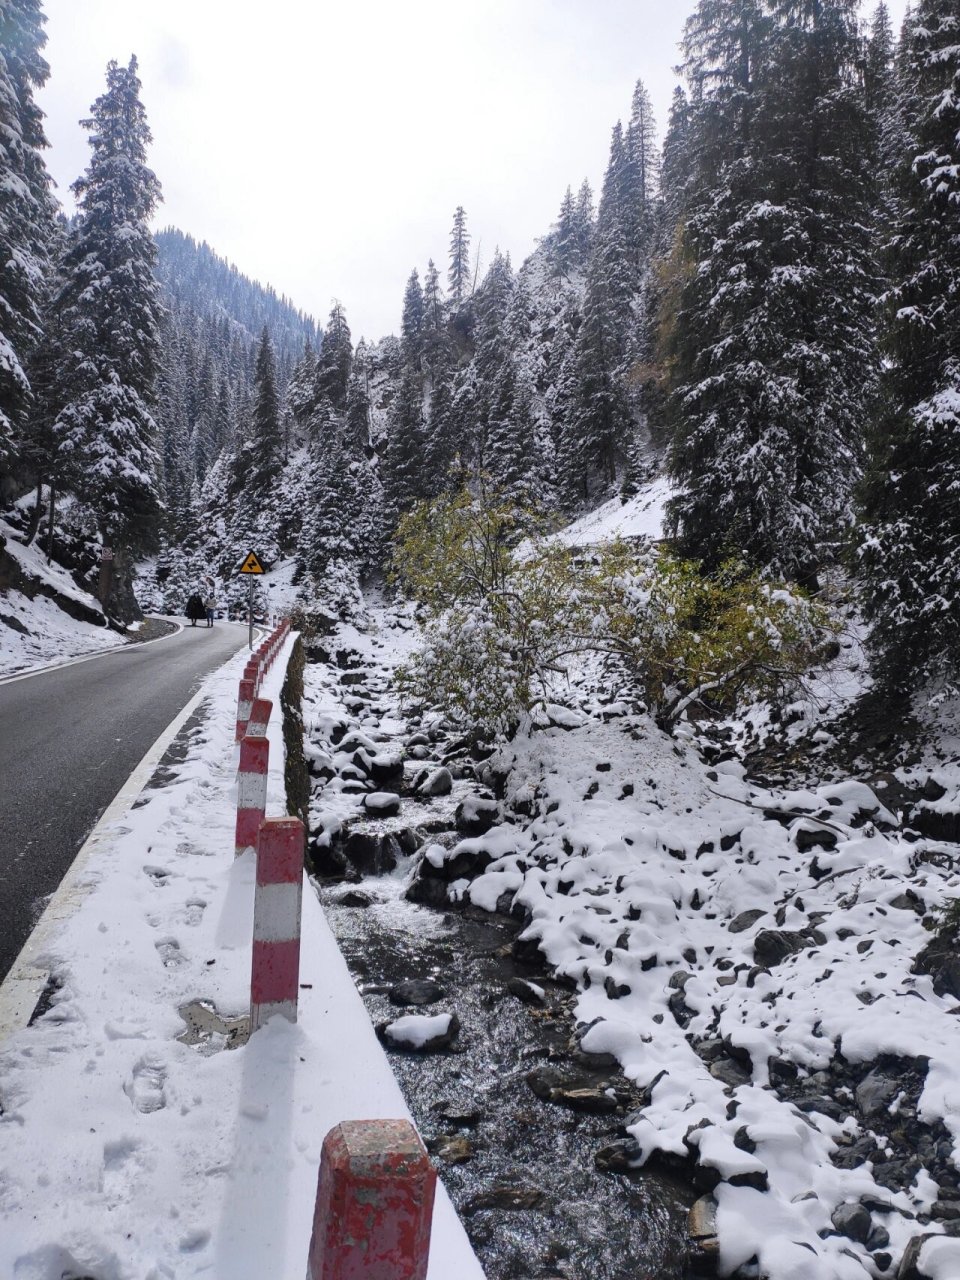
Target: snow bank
[(128, 1153)]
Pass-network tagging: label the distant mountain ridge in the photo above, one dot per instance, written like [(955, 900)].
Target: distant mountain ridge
[(192, 273)]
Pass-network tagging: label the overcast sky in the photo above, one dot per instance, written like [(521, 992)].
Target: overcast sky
[(323, 147)]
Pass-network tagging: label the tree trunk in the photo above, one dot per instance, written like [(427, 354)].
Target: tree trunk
[(35, 515), (53, 508)]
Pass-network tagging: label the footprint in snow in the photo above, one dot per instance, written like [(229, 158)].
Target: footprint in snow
[(145, 1088), (168, 949)]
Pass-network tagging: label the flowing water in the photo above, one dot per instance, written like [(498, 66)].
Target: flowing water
[(519, 1169)]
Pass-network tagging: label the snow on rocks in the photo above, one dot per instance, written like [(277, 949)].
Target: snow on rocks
[(747, 953), (420, 1032)]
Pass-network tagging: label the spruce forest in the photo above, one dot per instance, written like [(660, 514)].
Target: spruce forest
[(765, 307)]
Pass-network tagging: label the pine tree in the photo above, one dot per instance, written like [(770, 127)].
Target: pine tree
[(405, 466), (771, 354), (111, 309), (436, 341), (459, 273), (878, 61), (263, 455), (27, 216), (564, 249), (336, 356), (911, 537), (412, 321), (584, 220), (675, 167)]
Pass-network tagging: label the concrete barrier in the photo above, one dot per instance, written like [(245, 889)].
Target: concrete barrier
[(374, 1207), (251, 791)]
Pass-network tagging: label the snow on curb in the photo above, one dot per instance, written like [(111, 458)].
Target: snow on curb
[(163, 1159)]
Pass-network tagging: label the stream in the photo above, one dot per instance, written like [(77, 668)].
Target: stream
[(520, 1170)]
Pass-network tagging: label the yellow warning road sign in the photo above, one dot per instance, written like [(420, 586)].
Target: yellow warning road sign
[(251, 564)]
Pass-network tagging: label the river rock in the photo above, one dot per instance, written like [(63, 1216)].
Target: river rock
[(619, 1156), (875, 1093), (420, 1033), (507, 1196), (578, 1093), (745, 920), (702, 1233), (853, 1221), (438, 782), (451, 1148), (475, 815), (730, 1073), (382, 804), (386, 771), (526, 992), (354, 898), (771, 946), (372, 853), (455, 1116), (416, 991)]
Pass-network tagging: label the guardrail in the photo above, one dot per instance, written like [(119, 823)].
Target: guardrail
[(376, 1185)]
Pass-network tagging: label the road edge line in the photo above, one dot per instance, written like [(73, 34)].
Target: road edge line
[(89, 657), (26, 980)]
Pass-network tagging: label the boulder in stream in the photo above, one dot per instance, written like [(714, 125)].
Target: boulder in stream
[(416, 991), (420, 1032)]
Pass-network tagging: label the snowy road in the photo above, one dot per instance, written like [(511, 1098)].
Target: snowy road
[(70, 740)]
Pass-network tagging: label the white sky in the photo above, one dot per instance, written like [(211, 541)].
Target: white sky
[(323, 146)]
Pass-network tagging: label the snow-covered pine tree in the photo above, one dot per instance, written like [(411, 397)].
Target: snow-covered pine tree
[(27, 216), (564, 249), (436, 340), (411, 323), (357, 415), (675, 167), (772, 358), (584, 221), (598, 428), (335, 358), (459, 273), (111, 309), (911, 535), (302, 388), (405, 466), (262, 456)]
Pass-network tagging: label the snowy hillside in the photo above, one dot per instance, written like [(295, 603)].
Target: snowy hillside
[(44, 616)]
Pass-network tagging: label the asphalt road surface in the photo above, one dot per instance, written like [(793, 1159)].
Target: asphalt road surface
[(69, 740)]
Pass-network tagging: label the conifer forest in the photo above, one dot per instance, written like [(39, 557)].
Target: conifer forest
[(619, 704), (764, 307)]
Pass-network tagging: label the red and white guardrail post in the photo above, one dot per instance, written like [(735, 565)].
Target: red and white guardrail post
[(251, 791), (374, 1206), (245, 705), (275, 973), (259, 718)]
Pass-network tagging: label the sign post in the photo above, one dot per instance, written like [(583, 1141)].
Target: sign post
[(251, 566)]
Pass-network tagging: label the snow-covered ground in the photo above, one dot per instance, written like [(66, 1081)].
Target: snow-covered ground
[(36, 632), (127, 1154), (746, 953), (640, 517)]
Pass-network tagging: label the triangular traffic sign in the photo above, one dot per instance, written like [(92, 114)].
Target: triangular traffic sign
[(251, 564)]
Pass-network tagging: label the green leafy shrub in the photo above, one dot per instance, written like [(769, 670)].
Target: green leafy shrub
[(506, 606)]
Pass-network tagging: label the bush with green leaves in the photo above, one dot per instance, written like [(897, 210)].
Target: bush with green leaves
[(500, 602), (506, 606), (709, 641)]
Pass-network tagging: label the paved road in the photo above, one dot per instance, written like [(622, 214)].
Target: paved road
[(69, 739)]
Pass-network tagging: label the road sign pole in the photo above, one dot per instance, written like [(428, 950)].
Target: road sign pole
[(250, 610)]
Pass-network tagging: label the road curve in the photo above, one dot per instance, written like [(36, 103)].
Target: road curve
[(69, 739)]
